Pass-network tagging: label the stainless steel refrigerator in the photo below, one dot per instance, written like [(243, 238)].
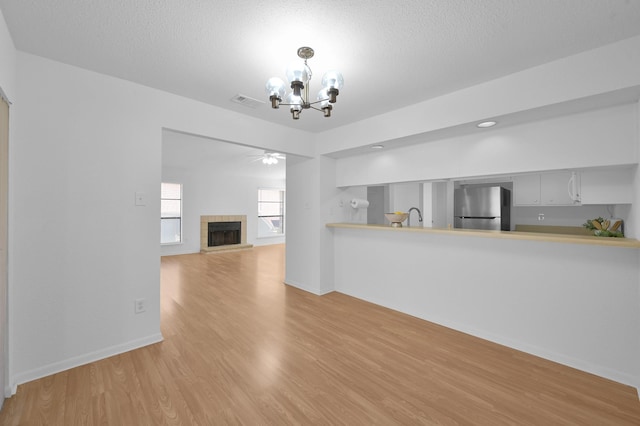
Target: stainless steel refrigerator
[(487, 207)]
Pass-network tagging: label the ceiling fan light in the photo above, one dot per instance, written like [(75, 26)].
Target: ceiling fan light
[(269, 159)]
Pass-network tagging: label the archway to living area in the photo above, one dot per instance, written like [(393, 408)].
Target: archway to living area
[(218, 179)]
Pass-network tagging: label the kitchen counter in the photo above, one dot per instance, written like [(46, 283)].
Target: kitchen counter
[(511, 235)]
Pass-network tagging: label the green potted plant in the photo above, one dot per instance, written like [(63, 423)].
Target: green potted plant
[(604, 228)]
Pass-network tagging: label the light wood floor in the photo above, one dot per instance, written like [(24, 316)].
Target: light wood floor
[(242, 348)]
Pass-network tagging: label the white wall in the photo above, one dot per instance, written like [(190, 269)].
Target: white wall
[(80, 246), (312, 201), (603, 137), (303, 225), (7, 85), (634, 211), (427, 204), (7, 61), (574, 304), (83, 144)]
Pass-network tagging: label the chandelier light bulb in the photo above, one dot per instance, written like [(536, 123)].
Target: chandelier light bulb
[(294, 101), (298, 72), (323, 99), (332, 80), (296, 105), (275, 88)]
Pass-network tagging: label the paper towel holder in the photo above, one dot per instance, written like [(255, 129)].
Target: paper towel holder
[(358, 203)]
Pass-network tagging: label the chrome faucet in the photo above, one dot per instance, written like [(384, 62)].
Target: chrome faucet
[(409, 217)]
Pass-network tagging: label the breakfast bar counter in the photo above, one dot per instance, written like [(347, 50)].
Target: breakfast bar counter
[(511, 235)]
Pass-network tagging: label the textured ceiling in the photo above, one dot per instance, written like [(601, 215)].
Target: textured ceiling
[(392, 53)]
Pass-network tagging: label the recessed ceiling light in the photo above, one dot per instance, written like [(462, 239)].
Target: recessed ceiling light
[(376, 146), (486, 124)]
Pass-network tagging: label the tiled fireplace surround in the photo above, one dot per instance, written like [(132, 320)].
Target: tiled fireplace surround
[(204, 231)]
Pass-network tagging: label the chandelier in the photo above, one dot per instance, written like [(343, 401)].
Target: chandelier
[(299, 76)]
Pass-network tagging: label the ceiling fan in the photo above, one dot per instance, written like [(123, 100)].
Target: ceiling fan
[(269, 158)]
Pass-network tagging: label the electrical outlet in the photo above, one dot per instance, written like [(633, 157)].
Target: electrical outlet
[(140, 305), (141, 199)]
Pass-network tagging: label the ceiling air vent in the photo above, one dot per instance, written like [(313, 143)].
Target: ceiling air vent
[(247, 101)]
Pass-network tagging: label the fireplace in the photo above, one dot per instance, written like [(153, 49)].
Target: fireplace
[(224, 233), (220, 233)]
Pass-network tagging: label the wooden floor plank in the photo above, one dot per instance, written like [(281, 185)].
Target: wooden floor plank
[(243, 348)]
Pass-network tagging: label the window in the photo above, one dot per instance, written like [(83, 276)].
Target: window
[(170, 213), (270, 212)]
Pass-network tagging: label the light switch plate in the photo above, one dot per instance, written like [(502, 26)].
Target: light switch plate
[(140, 305), (141, 199)]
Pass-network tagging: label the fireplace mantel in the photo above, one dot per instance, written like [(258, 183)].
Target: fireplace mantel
[(204, 233)]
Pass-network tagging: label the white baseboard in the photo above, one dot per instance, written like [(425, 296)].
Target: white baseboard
[(77, 361), (579, 364), (10, 390), (307, 289), (300, 286)]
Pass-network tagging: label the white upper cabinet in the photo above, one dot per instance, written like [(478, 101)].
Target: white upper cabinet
[(526, 190), (608, 186), (547, 189)]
